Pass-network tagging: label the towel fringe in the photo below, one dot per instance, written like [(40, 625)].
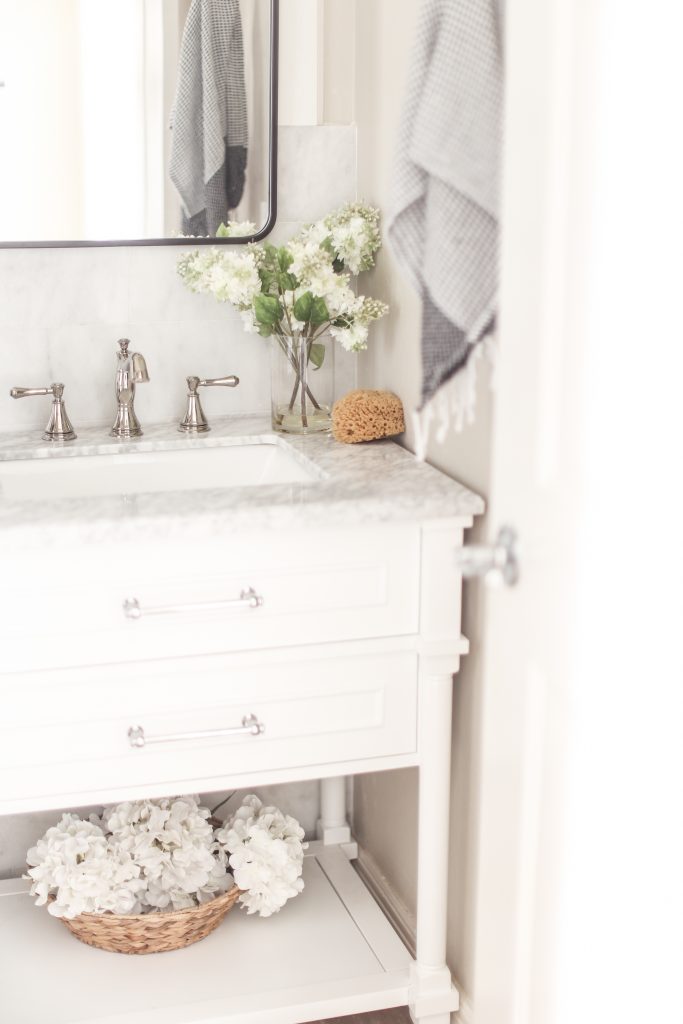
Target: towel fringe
[(453, 406)]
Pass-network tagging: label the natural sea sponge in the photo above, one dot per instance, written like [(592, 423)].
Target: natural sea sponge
[(366, 416)]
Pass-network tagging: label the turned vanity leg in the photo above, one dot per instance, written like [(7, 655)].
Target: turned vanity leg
[(333, 826), (433, 998)]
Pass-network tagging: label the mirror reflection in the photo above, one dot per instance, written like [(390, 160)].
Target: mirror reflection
[(133, 119)]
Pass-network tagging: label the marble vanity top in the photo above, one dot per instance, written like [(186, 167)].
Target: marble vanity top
[(375, 482)]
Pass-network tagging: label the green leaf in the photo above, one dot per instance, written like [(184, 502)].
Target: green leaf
[(268, 310), (317, 355), (264, 331), (223, 231), (287, 282), (284, 259), (270, 251), (302, 307), (320, 314), (267, 279)]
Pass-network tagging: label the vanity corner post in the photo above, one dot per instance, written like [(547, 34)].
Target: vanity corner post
[(432, 995), (333, 826)]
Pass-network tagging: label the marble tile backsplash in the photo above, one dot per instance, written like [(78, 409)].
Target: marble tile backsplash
[(62, 311)]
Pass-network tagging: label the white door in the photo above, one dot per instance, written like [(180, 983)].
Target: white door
[(579, 884)]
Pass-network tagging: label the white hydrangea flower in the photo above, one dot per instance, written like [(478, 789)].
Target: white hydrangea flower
[(312, 266), (234, 278), (225, 275), (349, 242), (355, 236), (353, 338), (150, 855), (172, 841), (343, 301), (316, 233), (266, 856), (73, 863)]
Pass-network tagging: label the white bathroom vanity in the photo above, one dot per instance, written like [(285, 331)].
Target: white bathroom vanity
[(193, 615)]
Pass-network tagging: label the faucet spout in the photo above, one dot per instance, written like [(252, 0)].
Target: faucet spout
[(131, 369), (140, 374)]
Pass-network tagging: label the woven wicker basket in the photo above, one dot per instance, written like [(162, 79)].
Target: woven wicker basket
[(151, 933)]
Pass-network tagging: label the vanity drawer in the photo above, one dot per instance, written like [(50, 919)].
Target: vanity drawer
[(258, 592), (72, 734)]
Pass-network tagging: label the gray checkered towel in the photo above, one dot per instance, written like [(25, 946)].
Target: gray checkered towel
[(209, 120), (444, 226)]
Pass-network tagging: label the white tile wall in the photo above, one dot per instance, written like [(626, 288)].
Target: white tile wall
[(318, 165), (62, 311)]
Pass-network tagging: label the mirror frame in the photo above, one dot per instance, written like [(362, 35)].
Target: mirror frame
[(272, 176)]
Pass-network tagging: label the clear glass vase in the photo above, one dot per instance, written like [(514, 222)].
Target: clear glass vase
[(302, 383)]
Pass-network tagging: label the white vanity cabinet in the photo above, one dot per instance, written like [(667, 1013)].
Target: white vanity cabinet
[(315, 643), (317, 586)]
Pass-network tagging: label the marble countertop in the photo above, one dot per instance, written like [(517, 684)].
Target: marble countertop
[(361, 483)]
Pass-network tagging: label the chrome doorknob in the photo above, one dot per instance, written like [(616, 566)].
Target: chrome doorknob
[(496, 563)]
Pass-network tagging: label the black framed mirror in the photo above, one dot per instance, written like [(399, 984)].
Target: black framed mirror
[(137, 122)]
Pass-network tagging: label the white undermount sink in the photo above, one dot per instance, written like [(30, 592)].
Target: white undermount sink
[(144, 472)]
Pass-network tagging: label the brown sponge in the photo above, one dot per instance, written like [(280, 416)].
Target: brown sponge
[(366, 416)]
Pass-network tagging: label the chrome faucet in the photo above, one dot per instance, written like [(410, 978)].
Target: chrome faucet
[(131, 370), (59, 427), (194, 421)]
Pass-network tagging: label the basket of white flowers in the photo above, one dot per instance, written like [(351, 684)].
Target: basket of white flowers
[(156, 875)]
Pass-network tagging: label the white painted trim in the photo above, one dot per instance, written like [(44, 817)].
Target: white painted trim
[(400, 916), (246, 780), (370, 920), (395, 910), (465, 1014)]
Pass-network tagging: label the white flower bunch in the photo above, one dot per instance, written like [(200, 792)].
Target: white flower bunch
[(303, 287), (266, 855), (355, 236), (173, 844), (150, 856), (74, 863), (227, 275), (137, 858)]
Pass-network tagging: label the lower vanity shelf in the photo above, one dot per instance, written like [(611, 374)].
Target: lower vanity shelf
[(331, 951)]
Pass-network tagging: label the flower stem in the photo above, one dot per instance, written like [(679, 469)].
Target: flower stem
[(303, 360), (294, 362)]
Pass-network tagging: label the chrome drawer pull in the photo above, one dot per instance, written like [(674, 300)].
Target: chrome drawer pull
[(250, 727), (132, 608)]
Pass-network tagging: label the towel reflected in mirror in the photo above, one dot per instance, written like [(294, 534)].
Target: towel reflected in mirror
[(209, 121)]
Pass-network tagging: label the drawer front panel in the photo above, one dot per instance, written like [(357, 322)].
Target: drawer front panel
[(320, 588), (73, 736)]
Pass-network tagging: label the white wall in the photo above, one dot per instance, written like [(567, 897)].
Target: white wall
[(385, 804)]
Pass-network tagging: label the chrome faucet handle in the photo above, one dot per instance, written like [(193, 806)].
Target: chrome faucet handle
[(195, 421), (59, 427)]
